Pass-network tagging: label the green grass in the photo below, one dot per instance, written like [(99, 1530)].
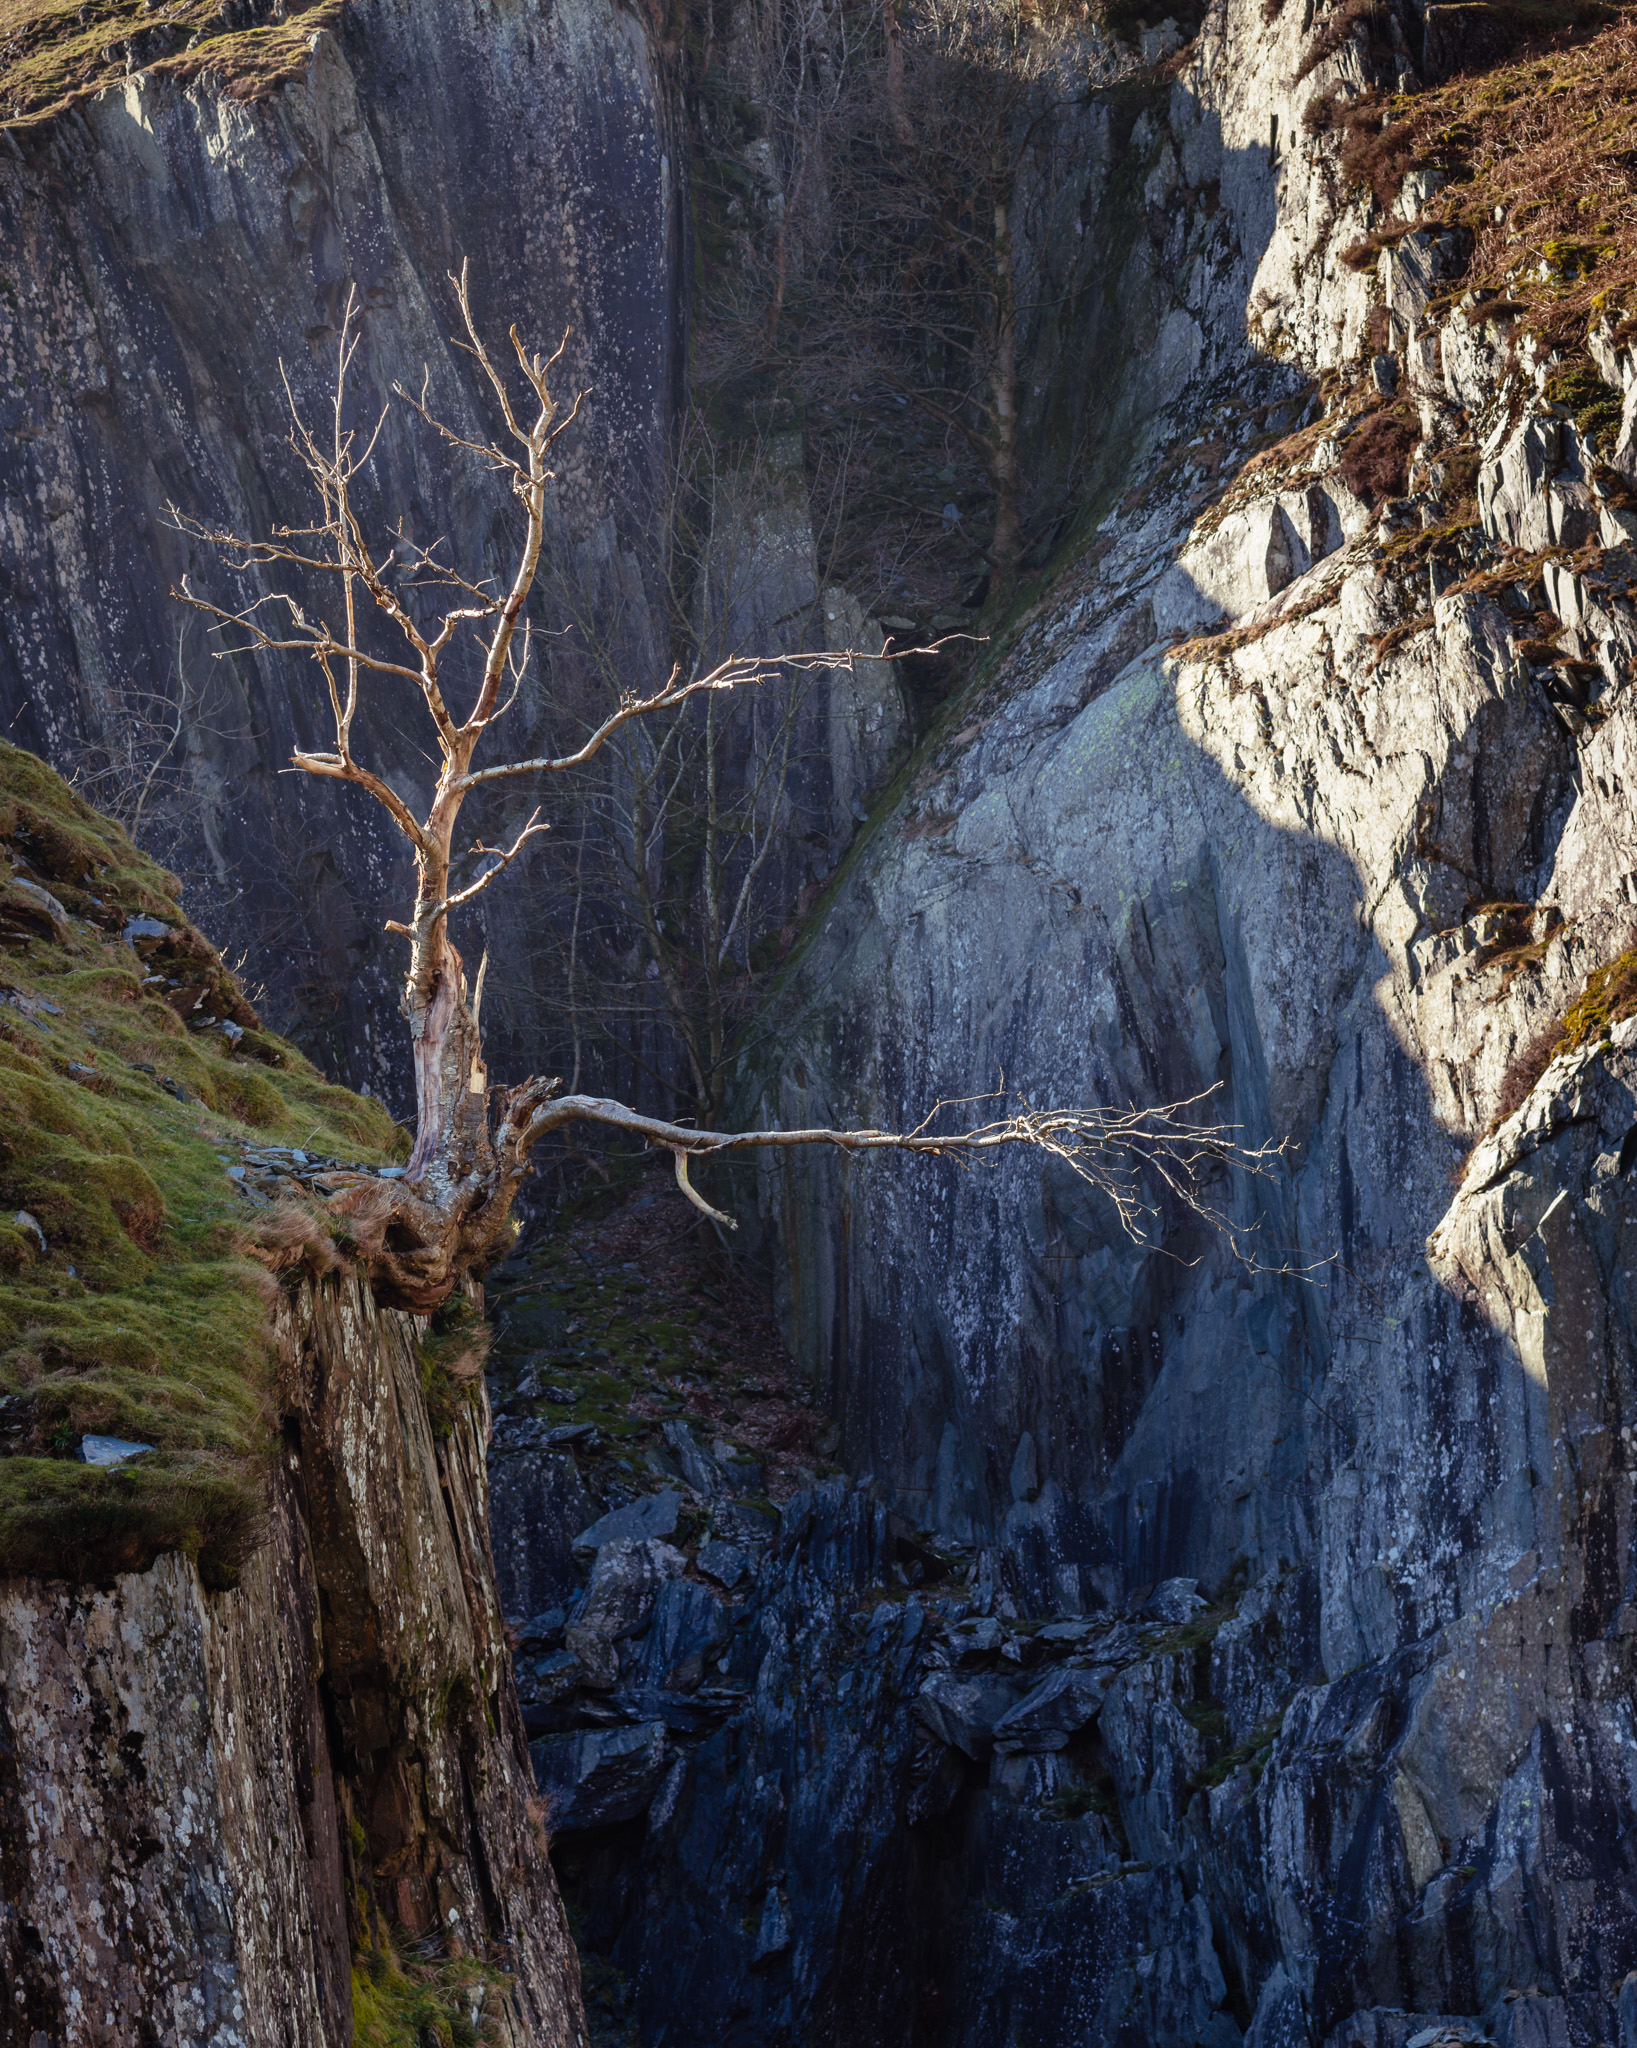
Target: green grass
[(55, 52), (398, 2002), (618, 1352), (1254, 1750), (1595, 407), (1610, 995), (452, 1354), (142, 1315), (1075, 1801), (1208, 1717)]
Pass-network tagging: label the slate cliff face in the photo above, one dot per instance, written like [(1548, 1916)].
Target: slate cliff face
[(955, 1751), (167, 248), (1346, 856), (210, 1802), (172, 254)]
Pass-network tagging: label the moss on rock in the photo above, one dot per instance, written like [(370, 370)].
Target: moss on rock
[(127, 1305)]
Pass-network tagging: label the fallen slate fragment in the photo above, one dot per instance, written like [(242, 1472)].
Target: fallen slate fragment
[(619, 1600), (109, 1450), (1057, 1708), (726, 1563), (654, 1515), (775, 1934), (600, 1776), (29, 901), (1067, 1631), (539, 1628), (697, 1468), (981, 1638), (1175, 1601), (738, 1522), (742, 1471), (963, 1711), (556, 1676)]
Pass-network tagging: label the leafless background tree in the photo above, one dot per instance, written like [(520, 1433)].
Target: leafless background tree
[(875, 247), (702, 830)]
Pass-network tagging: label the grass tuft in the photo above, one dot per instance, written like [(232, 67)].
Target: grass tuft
[(1254, 1750), (1609, 996), (1595, 407), (1375, 457), (1537, 142), (399, 2001), (452, 1355)]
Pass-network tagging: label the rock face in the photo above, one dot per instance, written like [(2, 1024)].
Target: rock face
[(210, 1801), (536, 146), (1205, 1648), (1300, 862), (856, 1800), (173, 256)]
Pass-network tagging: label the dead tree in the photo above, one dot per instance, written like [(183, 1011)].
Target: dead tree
[(450, 1214)]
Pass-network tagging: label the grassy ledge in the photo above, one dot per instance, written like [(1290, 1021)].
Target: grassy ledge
[(56, 52), (1534, 152), (132, 1072)]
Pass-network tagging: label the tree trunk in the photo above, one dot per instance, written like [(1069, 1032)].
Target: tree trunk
[(1003, 464), (452, 1141), (896, 113)]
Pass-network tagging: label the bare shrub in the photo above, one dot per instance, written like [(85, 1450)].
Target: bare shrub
[(1376, 458)]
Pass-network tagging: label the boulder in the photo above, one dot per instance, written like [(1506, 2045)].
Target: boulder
[(689, 1628), (963, 1711), (726, 1563), (1057, 1708), (654, 1515), (600, 1776), (1175, 1601), (625, 1584)]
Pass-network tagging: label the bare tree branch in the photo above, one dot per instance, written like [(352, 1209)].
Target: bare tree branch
[(1109, 1149)]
